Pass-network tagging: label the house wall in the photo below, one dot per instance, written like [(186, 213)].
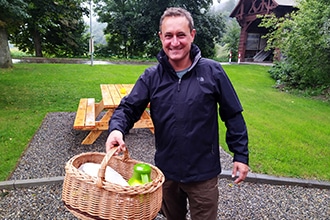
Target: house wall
[(246, 11)]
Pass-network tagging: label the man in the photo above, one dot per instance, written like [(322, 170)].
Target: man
[(184, 91)]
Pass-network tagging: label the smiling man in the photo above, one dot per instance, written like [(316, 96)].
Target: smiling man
[(184, 91), (177, 36)]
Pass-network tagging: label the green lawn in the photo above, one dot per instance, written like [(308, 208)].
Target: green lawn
[(289, 135)]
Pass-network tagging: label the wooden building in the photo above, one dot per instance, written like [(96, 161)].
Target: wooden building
[(251, 44)]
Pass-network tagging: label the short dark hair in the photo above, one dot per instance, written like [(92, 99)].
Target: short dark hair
[(177, 12)]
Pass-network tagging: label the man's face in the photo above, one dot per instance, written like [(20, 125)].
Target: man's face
[(176, 39)]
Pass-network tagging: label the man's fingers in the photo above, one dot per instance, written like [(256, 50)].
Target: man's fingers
[(233, 174), (242, 169), (115, 139), (120, 148), (239, 179)]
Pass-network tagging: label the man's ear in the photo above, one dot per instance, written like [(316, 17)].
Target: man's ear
[(193, 34)]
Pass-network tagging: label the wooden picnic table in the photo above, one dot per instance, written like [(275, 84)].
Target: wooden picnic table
[(89, 115)]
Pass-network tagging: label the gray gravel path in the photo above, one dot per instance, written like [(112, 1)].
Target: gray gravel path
[(56, 142)]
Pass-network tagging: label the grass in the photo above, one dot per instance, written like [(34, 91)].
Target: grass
[(289, 135), (30, 91)]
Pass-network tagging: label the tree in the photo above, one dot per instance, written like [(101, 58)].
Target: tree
[(11, 15), (225, 7), (146, 35), (132, 26), (231, 38), (53, 27), (303, 38), (209, 26)]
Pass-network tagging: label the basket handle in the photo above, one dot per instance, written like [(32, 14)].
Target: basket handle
[(104, 163)]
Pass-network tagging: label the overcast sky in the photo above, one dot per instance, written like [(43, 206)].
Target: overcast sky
[(215, 2)]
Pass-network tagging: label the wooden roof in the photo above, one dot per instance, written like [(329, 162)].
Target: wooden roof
[(286, 2), (238, 10), (246, 13)]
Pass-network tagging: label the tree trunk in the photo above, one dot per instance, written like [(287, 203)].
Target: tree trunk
[(5, 56), (37, 44)]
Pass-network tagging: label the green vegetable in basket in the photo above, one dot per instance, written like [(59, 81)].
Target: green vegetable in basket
[(141, 175)]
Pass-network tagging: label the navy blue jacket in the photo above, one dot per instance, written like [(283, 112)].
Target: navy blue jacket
[(185, 116)]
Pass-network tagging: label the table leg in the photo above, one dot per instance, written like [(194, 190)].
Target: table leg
[(102, 125), (91, 137), (145, 122)]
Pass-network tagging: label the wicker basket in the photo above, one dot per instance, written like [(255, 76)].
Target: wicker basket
[(94, 198)]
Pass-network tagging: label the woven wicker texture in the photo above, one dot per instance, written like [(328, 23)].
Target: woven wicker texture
[(89, 197)]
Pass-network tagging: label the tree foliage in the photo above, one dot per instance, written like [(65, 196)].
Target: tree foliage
[(132, 26), (231, 38), (303, 38), (53, 27), (126, 31), (12, 13), (210, 28)]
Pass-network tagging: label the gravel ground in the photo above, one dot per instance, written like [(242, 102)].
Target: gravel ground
[(56, 142)]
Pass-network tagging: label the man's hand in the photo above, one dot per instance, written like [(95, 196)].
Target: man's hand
[(115, 139), (243, 170)]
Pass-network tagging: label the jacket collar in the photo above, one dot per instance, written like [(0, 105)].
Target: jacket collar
[(195, 55)]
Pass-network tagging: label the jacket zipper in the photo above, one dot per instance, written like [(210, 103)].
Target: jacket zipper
[(179, 83)]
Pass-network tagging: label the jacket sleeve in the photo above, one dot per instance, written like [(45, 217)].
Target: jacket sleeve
[(231, 114), (237, 138), (130, 108)]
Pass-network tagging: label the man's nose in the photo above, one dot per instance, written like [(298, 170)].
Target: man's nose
[(175, 41)]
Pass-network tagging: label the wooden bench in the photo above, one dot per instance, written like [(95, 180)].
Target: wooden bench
[(88, 112), (85, 117)]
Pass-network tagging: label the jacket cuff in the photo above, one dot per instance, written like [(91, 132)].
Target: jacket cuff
[(241, 158), (114, 128)]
